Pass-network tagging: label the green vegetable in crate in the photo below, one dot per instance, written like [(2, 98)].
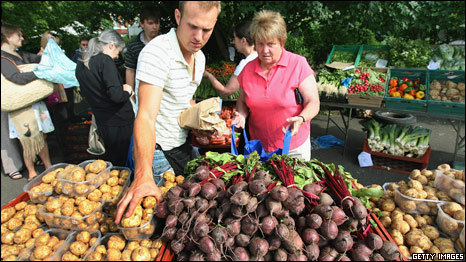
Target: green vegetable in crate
[(344, 57), (395, 140)]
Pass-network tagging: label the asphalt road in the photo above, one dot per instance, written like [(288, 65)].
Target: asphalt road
[(442, 144)]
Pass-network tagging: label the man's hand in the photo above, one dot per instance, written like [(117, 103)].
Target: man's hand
[(142, 186), (295, 124)]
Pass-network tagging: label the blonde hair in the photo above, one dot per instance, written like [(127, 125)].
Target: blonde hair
[(267, 25), (204, 5)]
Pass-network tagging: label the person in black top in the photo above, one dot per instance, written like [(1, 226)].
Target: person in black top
[(108, 97)]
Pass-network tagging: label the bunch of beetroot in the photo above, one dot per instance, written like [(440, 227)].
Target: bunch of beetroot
[(207, 220)]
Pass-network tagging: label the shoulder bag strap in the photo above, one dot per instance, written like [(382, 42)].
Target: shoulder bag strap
[(12, 61)]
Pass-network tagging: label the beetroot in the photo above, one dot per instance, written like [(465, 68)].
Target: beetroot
[(279, 193), (257, 186), (171, 221), (280, 255), (272, 205), (356, 256), (206, 244), (274, 242), (202, 204), (338, 215), (312, 251), (219, 183), (327, 254), (295, 201), (240, 198), (214, 255), (324, 211), (169, 233), (359, 211), (252, 205), (189, 202), (264, 175), (294, 243), (208, 191), (313, 221), (258, 247), (196, 256), (261, 210), (310, 236), (325, 199), (175, 206), (240, 254), (242, 240), (343, 242), (176, 246), (161, 210), (240, 186), (175, 192), (313, 188), (329, 230), (374, 241), (237, 211), (249, 225), (389, 250), (219, 235), (377, 257), (297, 257), (201, 229), (268, 224), (202, 173), (282, 231), (234, 227), (362, 248)]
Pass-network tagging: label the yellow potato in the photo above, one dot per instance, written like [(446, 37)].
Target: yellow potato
[(415, 184), (7, 238), (401, 226), (410, 220), (78, 248), (97, 166), (397, 236), (431, 232), (68, 256), (113, 254), (83, 236), (141, 254), (408, 205), (42, 252), (451, 207), (459, 215), (388, 205), (149, 202), (116, 242)]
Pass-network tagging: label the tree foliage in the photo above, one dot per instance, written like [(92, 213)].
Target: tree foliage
[(313, 26)]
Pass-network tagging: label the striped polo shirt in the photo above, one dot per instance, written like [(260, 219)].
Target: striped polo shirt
[(162, 65)]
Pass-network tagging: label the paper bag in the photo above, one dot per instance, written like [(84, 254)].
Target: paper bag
[(203, 116)]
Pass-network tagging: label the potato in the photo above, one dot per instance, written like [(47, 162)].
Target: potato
[(424, 208), (37, 232), (104, 188), (113, 254), (68, 256), (431, 232), (388, 205), (412, 192), (422, 179), (132, 245), (451, 207), (422, 194), (78, 248), (444, 167), (401, 226), (149, 202), (49, 177), (94, 256), (14, 223), (81, 188), (95, 195), (408, 205), (112, 181), (442, 242), (67, 209), (97, 166), (180, 179), (410, 220), (415, 184), (86, 207), (415, 174), (141, 254), (7, 214), (7, 238), (427, 173), (168, 176), (448, 226), (415, 249), (20, 206), (42, 252), (53, 205), (116, 242), (420, 220), (459, 215), (397, 236), (83, 236), (101, 249), (132, 221)]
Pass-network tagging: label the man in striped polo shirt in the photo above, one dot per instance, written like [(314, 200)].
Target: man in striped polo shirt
[(169, 69), (149, 21)]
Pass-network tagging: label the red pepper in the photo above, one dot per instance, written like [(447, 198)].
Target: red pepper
[(405, 79)]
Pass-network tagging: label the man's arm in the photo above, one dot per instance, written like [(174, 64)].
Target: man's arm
[(144, 146)]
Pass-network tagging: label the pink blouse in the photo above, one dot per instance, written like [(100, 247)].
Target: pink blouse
[(272, 100)]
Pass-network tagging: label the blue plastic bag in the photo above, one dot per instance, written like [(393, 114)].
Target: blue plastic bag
[(255, 145), (55, 66), (328, 141)]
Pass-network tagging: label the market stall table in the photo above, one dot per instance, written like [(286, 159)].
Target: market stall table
[(456, 121)]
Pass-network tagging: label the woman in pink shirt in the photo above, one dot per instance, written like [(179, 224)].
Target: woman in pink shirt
[(267, 93)]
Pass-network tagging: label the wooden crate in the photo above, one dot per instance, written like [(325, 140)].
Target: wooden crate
[(361, 100)]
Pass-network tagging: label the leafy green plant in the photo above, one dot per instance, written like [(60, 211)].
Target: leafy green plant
[(409, 53)]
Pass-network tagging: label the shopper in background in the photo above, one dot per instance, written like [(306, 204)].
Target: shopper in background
[(106, 94), (267, 93), (149, 21), (83, 43), (243, 44), (170, 68), (34, 143)]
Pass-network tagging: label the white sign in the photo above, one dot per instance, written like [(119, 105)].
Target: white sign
[(365, 159)]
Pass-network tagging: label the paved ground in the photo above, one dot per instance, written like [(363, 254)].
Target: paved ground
[(442, 143)]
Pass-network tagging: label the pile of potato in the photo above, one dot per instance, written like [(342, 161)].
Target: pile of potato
[(416, 233), (117, 248), (20, 226), (70, 212), (81, 181), (45, 246), (452, 182), (452, 220), (446, 91), (50, 184), (82, 243), (111, 189)]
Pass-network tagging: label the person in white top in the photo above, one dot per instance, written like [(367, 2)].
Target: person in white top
[(244, 44), (169, 70)]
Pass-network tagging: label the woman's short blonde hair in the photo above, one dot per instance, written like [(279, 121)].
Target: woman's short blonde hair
[(267, 25)]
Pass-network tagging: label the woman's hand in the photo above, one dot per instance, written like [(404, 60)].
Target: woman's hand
[(239, 120), (127, 88), (295, 124)]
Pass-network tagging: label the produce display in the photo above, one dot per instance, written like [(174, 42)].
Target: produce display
[(408, 53), (406, 88), (413, 230), (449, 57), (447, 91), (369, 58), (344, 57), (397, 140), (329, 83), (222, 72), (367, 81)]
